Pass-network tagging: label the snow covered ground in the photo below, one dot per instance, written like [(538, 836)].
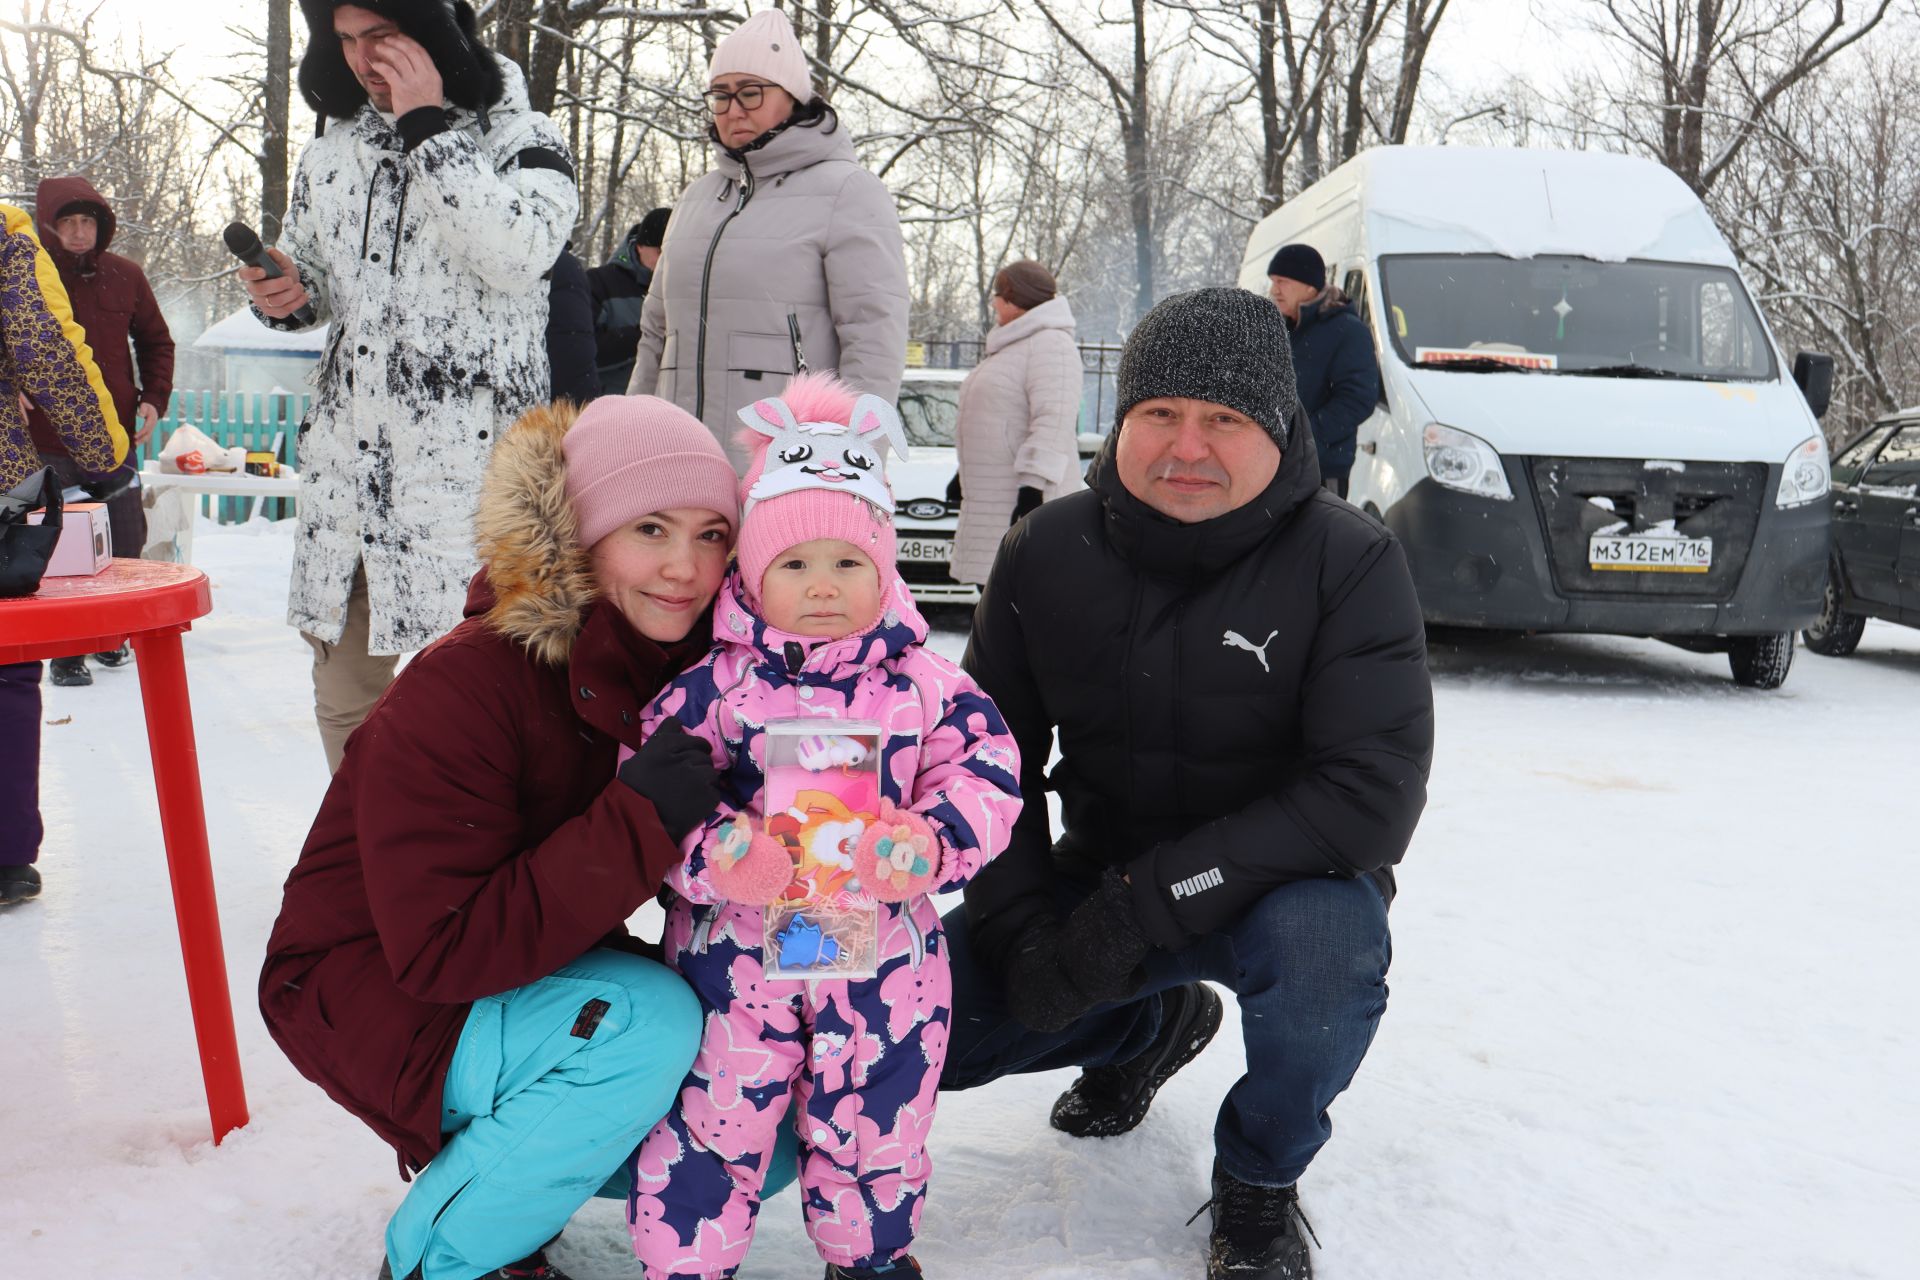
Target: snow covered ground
[(1652, 1007)]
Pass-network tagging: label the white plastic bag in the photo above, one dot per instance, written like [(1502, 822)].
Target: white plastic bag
[(191, 451)]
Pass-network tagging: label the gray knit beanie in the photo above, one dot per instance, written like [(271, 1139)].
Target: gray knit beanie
[(1227, 346)]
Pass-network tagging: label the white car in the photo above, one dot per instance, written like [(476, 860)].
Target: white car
[(926, 486)]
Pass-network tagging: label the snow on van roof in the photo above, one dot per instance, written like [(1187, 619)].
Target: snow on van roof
[(1524, 203)]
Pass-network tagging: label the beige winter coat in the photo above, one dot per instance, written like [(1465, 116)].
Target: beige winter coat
[(1019, 418), (801, 227)]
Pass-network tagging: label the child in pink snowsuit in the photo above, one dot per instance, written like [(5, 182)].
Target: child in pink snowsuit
[(815, 621)]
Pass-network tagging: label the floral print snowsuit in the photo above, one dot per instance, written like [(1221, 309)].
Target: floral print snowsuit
[(859, 1059)]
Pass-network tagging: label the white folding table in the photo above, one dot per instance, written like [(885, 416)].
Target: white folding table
[(224, 484)]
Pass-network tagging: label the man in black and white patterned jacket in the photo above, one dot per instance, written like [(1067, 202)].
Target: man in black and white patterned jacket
[(422, 222)]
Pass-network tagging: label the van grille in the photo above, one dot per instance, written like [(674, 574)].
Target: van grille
[(1718, 500)]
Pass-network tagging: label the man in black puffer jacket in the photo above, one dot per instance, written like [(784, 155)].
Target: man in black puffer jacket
[(1235, 665), (1335, 370)]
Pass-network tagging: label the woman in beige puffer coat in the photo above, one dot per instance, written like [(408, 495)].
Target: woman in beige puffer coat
[(788, 223), (1019, 417)]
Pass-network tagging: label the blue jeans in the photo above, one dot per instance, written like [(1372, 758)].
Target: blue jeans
[(1308, 963), (543, 1102)]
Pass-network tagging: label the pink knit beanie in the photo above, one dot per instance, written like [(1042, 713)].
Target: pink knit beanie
[(765, 46), (629, 456), (773, 524)]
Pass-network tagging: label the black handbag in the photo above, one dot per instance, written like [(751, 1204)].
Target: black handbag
[(25, 549)]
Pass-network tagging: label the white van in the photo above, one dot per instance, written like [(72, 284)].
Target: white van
[(1584, 422)]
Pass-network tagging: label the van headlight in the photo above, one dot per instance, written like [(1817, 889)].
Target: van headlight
[(1805, 478), (1465, 462)]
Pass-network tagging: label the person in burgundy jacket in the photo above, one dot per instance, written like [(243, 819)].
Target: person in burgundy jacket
[(451, 962), (114, 303)]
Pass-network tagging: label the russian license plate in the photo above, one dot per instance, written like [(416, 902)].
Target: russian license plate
[(939, 550), (1636, 554)]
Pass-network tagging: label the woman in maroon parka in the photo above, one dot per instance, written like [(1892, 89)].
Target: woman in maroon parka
[(451, 962)]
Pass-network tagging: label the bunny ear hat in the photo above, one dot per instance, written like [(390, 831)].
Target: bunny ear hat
[(811, 438), (817, 471)]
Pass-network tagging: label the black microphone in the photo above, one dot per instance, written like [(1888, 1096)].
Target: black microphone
[(246, 246)]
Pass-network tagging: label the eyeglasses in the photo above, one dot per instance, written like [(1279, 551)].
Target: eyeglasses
[(749, 96)]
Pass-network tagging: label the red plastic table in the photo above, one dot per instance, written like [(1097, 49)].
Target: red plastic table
[(152, 603)]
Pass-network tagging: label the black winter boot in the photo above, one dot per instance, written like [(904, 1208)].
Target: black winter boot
[(532, 1267), (18, 883), (1256, 1232), (69, 673), (898, 1269), (1107, 1101), (116, 657)]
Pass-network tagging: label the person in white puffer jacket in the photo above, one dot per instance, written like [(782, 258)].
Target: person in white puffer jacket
[(422, 223), (787, 248), (1017, 433)]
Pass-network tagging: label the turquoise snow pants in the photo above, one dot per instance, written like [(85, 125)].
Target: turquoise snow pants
[(552, 1086)]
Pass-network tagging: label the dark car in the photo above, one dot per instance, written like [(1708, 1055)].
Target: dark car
[(1876, 535)]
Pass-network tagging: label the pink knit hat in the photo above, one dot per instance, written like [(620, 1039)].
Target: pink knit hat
[(629, 456), (765, 46), (826, 481)]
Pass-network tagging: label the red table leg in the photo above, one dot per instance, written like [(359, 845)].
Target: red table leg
[(183, 823)]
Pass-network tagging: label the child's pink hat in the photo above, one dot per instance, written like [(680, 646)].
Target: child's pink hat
[(816, 471)]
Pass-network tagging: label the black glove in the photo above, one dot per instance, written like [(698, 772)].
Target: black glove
[(1027, 499), (1039, 996), (1102, 946), (674, 770), (1060, 971)]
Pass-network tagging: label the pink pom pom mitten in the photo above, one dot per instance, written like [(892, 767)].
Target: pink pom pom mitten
[(897, 856), (747, 865)]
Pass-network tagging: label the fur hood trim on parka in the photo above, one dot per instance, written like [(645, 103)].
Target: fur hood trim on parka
[(446, 29), (528, 537)]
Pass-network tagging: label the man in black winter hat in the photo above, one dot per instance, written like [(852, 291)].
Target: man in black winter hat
[(619, 287), (1234, 665), (422, 224), (1335, 369)]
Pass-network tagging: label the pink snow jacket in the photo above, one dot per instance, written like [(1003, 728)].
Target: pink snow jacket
[(946, 754)]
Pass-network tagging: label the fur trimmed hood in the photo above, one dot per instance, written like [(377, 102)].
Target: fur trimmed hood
[(528, 537), (445, 28)]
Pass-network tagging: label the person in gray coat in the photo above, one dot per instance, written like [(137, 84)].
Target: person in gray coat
[(788, 249), (1018, 429)]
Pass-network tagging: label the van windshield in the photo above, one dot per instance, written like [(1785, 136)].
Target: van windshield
[(1485, 313)]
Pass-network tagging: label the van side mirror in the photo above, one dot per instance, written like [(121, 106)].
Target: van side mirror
[(1813, 373)]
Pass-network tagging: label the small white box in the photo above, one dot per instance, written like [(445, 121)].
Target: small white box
[(86, 540)]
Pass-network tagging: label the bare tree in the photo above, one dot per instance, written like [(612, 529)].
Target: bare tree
[(1309, 70), (1706, 73), (1420, 24), (278, 97), (1132, 114), (1824, 211)]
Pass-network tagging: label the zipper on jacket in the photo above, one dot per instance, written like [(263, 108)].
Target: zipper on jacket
[(1179, 638), (366, 218), (706, 281), (399, 224)]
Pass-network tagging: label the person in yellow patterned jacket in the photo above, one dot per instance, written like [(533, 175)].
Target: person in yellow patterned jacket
[(44, 358)]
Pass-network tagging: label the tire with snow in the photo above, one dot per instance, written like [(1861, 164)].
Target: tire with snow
[(1761, 662), (1837, 634)]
